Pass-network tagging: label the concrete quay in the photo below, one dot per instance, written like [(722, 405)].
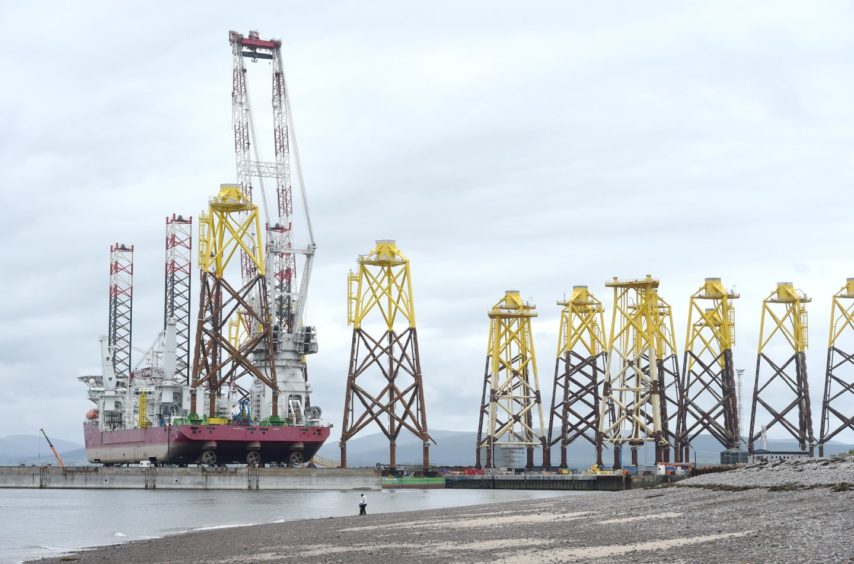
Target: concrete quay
[(189, 478), (570, 482)]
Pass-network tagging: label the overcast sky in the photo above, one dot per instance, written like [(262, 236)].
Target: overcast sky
[(530, 146)]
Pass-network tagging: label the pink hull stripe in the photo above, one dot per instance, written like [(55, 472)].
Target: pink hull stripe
[(183, 444)]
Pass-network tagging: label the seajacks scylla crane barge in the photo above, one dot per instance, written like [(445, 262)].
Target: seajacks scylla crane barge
[(245, 397)]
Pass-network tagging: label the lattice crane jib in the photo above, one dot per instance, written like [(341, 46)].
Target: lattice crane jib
[(579, 367), (120, 322), (229, 227), (384, 381), (709, 402), (632, 410), (281, 253), (511, 398), (781, 391), (177, 298), (287, 293), (836, 410), (287, 297)]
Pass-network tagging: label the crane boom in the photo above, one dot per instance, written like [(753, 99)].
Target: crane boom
[(286, 291), (286, 296), (53, 449)]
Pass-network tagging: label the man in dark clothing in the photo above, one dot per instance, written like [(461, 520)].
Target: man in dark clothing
[(363, 505)]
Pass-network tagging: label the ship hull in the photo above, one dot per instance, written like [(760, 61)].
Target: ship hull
[(186, 444)]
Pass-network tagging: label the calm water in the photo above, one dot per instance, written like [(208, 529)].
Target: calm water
[(35, 523)]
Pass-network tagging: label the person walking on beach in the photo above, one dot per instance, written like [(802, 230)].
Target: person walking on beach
[(363, 505)]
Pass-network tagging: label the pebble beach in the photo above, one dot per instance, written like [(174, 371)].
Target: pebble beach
[(800, 511)]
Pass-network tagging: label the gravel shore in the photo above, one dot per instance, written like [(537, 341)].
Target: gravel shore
[(783, 512), (795, 473)]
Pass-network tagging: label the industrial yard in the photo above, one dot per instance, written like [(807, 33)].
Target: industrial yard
[(547, 282), (233, 386)]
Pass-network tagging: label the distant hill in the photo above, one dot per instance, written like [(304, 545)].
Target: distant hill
[(456, 448), (33, 449)]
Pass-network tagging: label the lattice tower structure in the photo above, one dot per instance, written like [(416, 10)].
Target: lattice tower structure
[(781, 390), (633, 409), (511, 387), (231, 225), (709, 402), (836, 407), (286, 295), (669, 374), (120, 323), (667, 364), (384, 381), (281, 259), (579, 368), (178, 275)]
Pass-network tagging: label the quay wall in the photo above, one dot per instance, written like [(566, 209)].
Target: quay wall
[(592, 482), (189, 478)]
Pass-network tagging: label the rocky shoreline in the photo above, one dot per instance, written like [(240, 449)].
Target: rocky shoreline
[(782, 512), (835, 473)]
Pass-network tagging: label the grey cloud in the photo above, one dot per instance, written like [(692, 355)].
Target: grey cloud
[(504, 147)]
